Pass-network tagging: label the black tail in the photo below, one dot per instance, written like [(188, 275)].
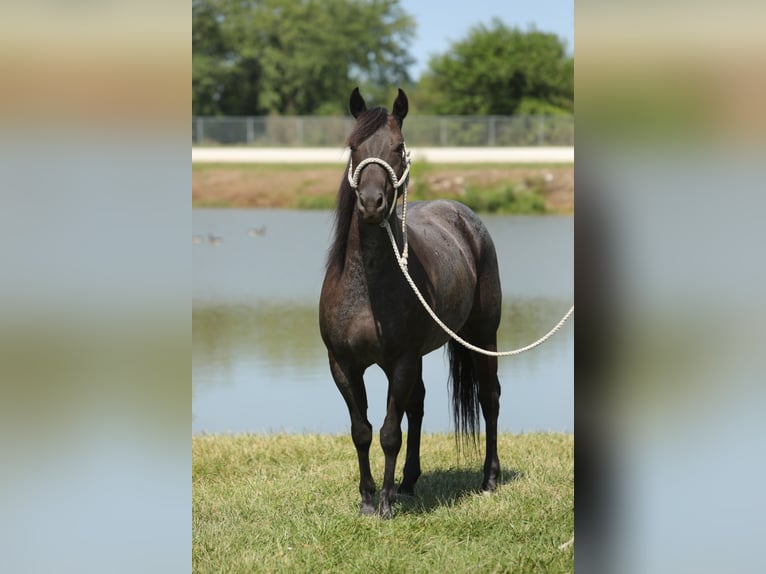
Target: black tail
[(465, 393)]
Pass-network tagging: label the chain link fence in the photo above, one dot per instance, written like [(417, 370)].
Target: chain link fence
[(421, 131)]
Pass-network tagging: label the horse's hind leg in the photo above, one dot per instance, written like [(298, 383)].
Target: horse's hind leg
[(482, 331), (414, 422), (351, 386), (489, 399), (482, 328)]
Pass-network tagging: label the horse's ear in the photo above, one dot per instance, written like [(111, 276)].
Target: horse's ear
[(356, 103), (400, 107)]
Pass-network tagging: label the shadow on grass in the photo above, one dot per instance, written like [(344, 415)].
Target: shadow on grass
[(440, 488)]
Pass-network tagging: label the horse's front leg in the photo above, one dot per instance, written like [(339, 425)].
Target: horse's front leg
[(401, 380), (351, 385)]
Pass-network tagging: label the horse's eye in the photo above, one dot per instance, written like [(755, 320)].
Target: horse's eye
[(400, 148), (352, 148)]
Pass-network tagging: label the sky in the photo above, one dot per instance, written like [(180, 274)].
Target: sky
[(440, 22)]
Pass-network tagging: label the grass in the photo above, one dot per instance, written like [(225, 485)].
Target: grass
[(289, 503)]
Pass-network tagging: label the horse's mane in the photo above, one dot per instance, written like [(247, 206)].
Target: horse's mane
[(367, 124)]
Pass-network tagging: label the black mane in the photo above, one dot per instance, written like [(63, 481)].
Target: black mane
[(367, 124)]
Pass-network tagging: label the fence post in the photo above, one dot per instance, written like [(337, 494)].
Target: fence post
[(299, 129), (200, 129), (443, 132)]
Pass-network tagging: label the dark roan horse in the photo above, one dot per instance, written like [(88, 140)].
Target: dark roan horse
[(369, 314)]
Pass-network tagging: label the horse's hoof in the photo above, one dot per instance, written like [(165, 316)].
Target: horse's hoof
[(387, 513)]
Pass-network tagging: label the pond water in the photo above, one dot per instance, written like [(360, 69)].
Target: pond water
[(259, 364)]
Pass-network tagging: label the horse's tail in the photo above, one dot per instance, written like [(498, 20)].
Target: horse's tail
[(464, 391)]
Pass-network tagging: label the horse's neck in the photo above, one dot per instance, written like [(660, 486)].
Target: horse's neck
[(369, 253)]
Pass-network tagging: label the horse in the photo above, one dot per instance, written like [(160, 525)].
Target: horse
[(368, 313)]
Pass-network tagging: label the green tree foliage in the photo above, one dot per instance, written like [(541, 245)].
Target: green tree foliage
[(262, 57), (497, 70)]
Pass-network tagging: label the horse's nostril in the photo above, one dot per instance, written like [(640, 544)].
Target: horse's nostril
[(379, 203)]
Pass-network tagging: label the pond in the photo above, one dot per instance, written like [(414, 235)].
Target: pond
[(259, 364)]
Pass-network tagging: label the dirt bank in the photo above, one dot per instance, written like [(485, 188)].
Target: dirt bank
[(291, 186)]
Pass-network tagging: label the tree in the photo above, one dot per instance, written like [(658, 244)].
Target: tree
[(208, 49), (497, 70), (262, 57)]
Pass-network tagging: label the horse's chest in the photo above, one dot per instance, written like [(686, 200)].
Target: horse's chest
[(360, 327), (357, 332)]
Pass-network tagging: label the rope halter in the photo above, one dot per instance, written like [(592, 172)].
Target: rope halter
[(397, 182), (354, 174)]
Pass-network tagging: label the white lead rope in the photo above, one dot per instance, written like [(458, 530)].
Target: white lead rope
[(403, 266)]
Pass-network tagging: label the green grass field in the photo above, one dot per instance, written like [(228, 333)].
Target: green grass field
[(289, 503)]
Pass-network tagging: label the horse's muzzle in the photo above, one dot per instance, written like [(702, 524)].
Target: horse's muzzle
[(372, 204)]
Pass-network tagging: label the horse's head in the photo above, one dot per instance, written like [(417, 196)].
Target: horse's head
[(378, 164)]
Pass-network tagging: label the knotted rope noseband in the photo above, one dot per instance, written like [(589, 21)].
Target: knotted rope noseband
[(397, 182)]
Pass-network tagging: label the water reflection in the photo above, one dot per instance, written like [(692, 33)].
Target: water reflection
[(272, 340)]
